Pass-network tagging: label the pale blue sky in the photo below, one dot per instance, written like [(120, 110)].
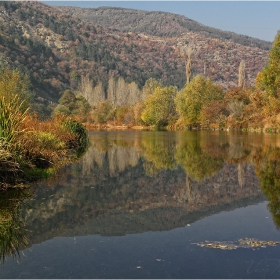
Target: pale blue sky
[(259, 19)]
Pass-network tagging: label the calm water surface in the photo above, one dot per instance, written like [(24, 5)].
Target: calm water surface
[(137, 202)]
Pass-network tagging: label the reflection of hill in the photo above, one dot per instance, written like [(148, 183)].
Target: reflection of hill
[(109, 193), (158, 219)]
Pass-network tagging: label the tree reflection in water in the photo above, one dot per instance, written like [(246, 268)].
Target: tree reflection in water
[(268, 170), (133, 182), (12, 227)]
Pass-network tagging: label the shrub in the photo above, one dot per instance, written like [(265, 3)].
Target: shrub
[(81, 142)]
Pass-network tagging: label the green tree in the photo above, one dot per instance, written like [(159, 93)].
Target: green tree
[(160, 106), (68, 99), (81, 107), (269, 79), (103, 112), (71, 105), (150, 86), (199, 92)]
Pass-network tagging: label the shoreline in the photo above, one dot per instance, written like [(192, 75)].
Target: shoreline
[(90, 127)]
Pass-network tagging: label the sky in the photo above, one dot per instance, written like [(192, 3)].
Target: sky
[(258, 19)]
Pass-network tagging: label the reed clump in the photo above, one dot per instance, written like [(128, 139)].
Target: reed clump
[(31, 148), (39, 148)]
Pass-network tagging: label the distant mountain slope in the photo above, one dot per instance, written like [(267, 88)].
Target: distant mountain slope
[(56, 49), (157, 24)]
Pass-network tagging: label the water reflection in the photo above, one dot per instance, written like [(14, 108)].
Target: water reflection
[(130, 182), (268, 170), (12, 226)]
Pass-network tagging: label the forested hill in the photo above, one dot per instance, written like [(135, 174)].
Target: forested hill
[(57, 49), (157, 24)]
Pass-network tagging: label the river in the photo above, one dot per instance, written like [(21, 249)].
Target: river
[(138, 204)]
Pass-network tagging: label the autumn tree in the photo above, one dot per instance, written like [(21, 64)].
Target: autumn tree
[(121, 93), (138, 110), (190, 100), (103, 112), (160, 107), (269, 79), (187, 54), (214, 113), (150, 86), (93, 94), (241, 75), (188, 64), (125, 115)]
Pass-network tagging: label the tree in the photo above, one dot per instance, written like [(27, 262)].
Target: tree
[(138, 110), (269, 79), (150, 86), (81, 108), (199, 92), (68, 99), (241, 75), (85, 87), (214, 112), (121, 93), (160, 106), (71, 105), (189, 64), (103, 112)]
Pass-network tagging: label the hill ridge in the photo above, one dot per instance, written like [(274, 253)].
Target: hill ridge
[(114, 19), (57, 49)]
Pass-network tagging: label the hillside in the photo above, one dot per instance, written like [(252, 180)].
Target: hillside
[(56, 49), (157, 24)]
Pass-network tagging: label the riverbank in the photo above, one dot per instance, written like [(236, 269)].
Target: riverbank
[(109, 126), (39, 149)]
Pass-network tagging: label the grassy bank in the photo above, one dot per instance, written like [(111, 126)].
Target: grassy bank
[(38, 148), (30, 148)]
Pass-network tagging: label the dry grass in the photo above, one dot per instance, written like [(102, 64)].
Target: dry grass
[(40, 145), (45, 142)]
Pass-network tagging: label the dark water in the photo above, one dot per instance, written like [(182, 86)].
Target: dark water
[(136, 203)]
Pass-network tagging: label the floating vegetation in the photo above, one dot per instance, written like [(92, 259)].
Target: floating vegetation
[(240, 243)]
